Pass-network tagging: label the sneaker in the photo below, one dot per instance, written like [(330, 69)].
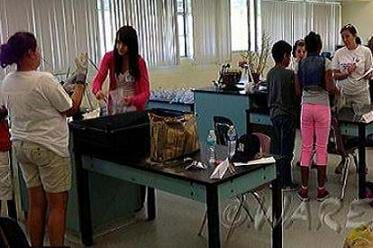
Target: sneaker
[(290, 187), (303, 194), (322, 194)]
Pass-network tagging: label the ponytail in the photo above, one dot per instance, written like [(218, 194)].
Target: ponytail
[(16, 47), (6, 55)]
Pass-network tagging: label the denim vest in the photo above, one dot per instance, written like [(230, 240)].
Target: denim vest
[(311, 71)]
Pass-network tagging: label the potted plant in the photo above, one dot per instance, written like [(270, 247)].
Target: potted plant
[(256, 61)]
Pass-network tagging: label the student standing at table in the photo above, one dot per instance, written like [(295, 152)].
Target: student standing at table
[(350, 63), (128, 74), (314, 77), (299, 52), (38, 106), (282, 105)]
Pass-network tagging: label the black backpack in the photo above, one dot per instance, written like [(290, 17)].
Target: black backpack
[(11, 234)]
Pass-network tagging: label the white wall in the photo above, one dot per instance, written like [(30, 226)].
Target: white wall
[(360, 14), (186, 75)]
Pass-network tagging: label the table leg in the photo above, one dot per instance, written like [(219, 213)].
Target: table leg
[(249, 128), (84, 203), (277, 214), (362, 162), (151, 203), (12, 210), (213, 223)]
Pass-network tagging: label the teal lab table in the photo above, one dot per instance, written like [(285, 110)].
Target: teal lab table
[(173, 178)]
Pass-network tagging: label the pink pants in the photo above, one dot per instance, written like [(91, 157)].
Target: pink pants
[(315, 127)]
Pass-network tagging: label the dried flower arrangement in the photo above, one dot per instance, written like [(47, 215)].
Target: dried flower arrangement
[(257, 61)]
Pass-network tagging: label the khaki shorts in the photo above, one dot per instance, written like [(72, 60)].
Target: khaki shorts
[(6, 187), (43, 167), (363, 98)]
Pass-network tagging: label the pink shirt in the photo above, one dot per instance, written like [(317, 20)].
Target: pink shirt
[(141, 86)]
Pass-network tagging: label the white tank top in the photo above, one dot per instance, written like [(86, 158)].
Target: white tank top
[(126, 87)]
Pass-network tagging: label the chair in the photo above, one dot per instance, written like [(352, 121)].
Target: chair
[(265, 142), (221, 126), (345, 146), (265, 146)]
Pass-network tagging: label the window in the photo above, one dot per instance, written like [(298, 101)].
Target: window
[(106, 33), (245, 25), (184, 25), (293, 20), (239, 25), (154, 21)]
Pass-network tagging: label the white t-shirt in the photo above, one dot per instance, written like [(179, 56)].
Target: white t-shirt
[(362, 57), (35, 101)]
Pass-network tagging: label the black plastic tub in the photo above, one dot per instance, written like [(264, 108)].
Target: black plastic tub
[(124, 135)]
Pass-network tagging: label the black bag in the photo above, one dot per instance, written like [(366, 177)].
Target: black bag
[(11, 234)]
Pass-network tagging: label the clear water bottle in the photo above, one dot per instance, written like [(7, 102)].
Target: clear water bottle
[(232, 139), (211, 145)]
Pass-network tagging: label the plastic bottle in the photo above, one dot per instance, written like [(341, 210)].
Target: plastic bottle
[(211, 145), (232, 139)]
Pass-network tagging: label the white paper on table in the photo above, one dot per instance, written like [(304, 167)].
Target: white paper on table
[(368, 117), (220, 170), (268, 160), (365, 74)]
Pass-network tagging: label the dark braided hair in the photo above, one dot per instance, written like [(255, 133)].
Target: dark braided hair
[(313, 42)]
